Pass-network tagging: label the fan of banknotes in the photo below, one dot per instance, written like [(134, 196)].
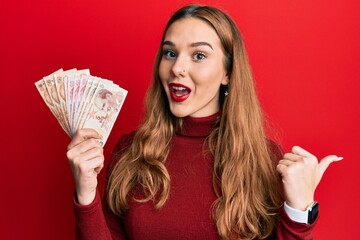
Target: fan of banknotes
[(79, 100)]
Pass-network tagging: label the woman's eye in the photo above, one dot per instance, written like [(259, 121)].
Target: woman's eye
[(169, 54), (199, 56)]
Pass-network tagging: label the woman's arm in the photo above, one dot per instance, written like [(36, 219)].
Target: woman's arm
[(93, 221), (300, 172)]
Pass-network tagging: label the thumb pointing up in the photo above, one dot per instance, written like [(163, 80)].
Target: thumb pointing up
[(301, 172), (325, 162)]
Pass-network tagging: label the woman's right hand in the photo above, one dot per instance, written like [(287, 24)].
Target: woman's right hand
[(86, 158)]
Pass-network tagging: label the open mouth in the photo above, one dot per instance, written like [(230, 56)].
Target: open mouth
[(179, 92)]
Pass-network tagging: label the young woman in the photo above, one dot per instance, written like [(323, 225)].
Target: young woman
[(200, 165)]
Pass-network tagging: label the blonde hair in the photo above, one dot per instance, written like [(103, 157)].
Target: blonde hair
[(244, 176)]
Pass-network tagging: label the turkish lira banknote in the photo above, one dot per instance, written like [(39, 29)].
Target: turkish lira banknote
[(79, 100)]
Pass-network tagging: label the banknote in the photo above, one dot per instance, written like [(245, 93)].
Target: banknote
[(79, 100), (87, 101), (74, 90), (104, 108), (79, 115), (60, 83), (47, 90)]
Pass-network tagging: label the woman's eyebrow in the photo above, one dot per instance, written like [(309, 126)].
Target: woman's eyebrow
[(195, 44), (168, 43)]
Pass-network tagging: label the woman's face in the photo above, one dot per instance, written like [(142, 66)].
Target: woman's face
[(192, 68)]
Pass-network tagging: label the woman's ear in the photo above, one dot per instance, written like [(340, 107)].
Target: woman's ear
[(225, 80)]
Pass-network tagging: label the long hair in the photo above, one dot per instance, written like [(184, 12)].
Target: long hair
[(244, 176)]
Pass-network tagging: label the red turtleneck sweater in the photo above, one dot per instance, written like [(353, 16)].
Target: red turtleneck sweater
[(187, 212)]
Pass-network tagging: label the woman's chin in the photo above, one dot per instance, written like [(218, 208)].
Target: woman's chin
[(179, 113)]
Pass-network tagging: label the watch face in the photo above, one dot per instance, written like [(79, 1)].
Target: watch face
[(313, 212)]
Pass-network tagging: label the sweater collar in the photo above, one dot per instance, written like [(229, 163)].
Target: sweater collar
[(198, 127)]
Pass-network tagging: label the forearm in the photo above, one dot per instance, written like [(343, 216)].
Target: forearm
[(90, 221), (291, 230)]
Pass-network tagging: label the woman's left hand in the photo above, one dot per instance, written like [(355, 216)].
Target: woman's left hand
[(301, 173)]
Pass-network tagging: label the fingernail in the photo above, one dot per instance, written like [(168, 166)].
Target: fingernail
[(339, 158), (100, 142)]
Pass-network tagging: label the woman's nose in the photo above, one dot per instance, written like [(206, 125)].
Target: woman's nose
[(180, 67)]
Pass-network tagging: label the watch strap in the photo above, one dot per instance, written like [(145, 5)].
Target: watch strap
[(313, 211)]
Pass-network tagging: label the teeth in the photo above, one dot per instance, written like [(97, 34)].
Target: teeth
[(179, 88)]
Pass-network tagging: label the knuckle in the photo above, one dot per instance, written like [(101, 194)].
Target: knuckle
[(82, 167), (69, 155), (76, 160), (286, 155), (99, 151), (92, 140), (304, 160), (80, 132), (283, 170), (280, 163), (73, 157), (294, 148)]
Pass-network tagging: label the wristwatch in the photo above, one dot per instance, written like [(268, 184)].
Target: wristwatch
[(312, 210)]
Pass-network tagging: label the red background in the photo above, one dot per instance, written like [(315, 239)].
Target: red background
[(305, 57)]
